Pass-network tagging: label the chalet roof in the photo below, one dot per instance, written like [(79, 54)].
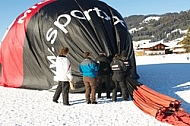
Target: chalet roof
[(152, 44), (168, 45)]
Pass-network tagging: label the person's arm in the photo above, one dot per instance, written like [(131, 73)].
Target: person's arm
[(96, 66), (69, 72), (111, 71)]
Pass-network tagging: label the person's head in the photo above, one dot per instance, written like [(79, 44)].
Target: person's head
[(63, 51), (86, 54), (117, 56), (124, 53)]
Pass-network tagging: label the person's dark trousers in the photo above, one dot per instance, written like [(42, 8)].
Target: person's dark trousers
[(123, 90), (101, 80), (127, 88), (122, 85), (63, 87), (126, 83), (127, 91), (114, 92)]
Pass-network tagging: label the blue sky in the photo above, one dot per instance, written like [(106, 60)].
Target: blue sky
[(10, 9)]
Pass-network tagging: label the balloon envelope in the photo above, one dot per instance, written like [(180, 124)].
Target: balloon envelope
[(31, 44)]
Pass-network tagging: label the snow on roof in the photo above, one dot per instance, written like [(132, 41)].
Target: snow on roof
[(148, 45)]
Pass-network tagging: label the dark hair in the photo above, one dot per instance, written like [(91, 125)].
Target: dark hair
[(63, 51), (86, 54), (124, 53)]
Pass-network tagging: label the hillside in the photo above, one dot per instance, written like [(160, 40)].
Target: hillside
[(165, 27)]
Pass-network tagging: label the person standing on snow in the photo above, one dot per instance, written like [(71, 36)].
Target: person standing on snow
[(63, 76), (89, 70), (126, 69), (118, 77), (103, 73)]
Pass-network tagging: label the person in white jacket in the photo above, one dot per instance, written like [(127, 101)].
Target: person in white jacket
[(63, 76)]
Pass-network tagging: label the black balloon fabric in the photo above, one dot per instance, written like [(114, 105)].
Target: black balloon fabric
[(31, 44)]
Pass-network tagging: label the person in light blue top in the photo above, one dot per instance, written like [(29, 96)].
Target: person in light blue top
[(89, 70)]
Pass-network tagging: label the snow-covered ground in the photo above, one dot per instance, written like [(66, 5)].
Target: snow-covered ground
[(167, 74)]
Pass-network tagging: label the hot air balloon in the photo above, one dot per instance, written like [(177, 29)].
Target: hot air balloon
[(31, 44)]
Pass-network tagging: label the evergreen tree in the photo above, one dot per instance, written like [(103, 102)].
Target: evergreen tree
[(186, 41)]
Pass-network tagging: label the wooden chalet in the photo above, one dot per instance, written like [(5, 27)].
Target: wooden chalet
[(154, 48)]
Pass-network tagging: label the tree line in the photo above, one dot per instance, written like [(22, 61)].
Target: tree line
[(167, 28)]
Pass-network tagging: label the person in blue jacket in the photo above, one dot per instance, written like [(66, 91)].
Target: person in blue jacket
[(89, 70)]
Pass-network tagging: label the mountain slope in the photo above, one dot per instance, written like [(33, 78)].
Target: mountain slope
[(168, 26)]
